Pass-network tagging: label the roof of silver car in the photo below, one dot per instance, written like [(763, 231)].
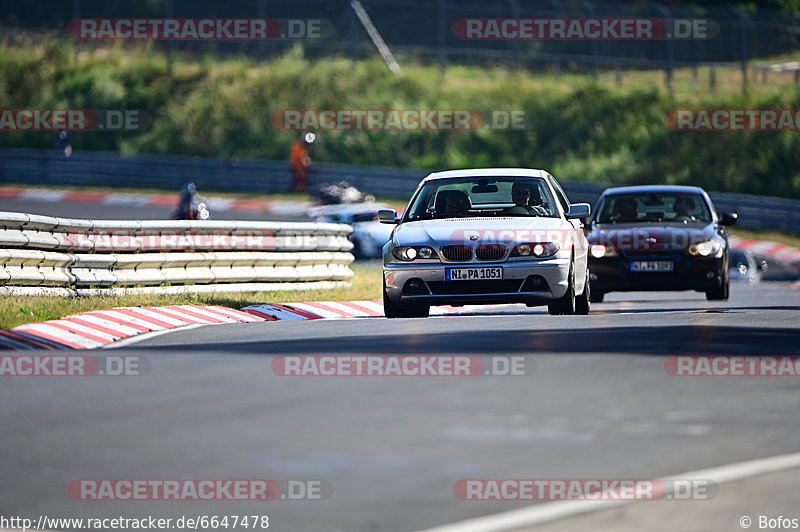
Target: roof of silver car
[(487, 172)]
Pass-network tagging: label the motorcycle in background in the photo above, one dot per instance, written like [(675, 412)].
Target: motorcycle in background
[(190, 205)]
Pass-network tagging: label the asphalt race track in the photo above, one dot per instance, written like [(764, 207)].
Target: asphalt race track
[(599, 405)]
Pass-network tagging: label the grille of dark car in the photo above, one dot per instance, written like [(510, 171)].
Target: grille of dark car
[(457, 253), (490, 252), (655, 254), (474, 287)]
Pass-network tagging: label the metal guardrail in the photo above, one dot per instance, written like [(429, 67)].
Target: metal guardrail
[(42, 251), (46, 167)]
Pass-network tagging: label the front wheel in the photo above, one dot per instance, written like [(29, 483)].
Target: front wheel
[(565, 306), (390, 310), (583, 301), (720, 293)]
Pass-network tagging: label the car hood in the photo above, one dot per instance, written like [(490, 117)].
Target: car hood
[(650, 236), (487, 230)]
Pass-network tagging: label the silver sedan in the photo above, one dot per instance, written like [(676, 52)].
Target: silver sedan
[(486, 236)]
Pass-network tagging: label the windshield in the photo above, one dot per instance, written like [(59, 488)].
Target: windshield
[(653, 207), (483, 196), (737, 258)]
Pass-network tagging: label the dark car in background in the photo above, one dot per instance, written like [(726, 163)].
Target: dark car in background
[(645, 238)]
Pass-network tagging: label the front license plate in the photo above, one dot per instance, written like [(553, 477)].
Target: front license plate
[(652, 266), (472, 274)]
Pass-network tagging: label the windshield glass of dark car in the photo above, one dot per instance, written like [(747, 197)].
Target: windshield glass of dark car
[(483, 196), (654, 207)]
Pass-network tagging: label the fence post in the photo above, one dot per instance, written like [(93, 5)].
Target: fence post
[(441, 12), (515, 44), (592, 42), (76, 14), (262, 13), (743, 49), (169, 12), (712, 78), (668, 47)]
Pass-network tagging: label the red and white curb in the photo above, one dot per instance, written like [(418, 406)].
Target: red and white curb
[(150, 200), (773, 250), (104, 328), (120, 326)]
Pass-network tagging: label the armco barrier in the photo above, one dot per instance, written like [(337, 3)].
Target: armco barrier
[(48, 167), (88, 256)]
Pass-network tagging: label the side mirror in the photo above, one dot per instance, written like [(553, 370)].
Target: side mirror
[(728, 218), (762, 266), (387, 216), (579, 210)]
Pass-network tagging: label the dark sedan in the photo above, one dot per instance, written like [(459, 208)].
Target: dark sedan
[(658, 238)]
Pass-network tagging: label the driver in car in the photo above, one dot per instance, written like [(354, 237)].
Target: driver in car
[(526, 200), (682, 207)]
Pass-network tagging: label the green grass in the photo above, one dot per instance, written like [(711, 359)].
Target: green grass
[(579, 128), (17, 310)]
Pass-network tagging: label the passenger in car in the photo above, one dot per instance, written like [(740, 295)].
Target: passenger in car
[(624, 211), (452, 203)]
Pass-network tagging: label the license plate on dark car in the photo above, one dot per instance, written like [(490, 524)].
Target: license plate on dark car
[(652, 266)]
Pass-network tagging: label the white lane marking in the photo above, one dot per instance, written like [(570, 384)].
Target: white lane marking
[(543, 513)]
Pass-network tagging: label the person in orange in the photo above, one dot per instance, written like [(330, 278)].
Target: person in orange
[(299, 161)]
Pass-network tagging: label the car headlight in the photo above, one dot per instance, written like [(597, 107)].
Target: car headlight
[(706, 248), (599, 251), (409, 253), (535, 249)]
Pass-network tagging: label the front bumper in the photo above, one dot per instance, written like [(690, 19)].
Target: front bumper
[(613, 274), (529, 282)]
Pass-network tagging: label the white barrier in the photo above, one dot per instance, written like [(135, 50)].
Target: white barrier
[(92, 255)]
